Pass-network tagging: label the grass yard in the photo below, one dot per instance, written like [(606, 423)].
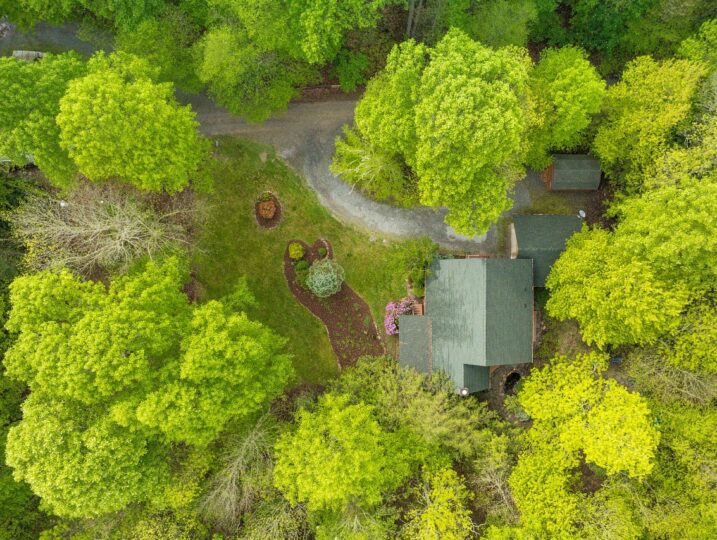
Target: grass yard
[(229, 244)]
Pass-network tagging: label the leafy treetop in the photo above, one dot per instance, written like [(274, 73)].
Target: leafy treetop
[(116, 122)]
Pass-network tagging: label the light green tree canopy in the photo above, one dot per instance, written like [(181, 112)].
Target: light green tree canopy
[(443, 512), (542, 486), (577, 414), (116, 122), (118, 373), (30, 95), (694, 344), (385, 115), (579, 410), (338, 455), (471, 120), (696, 159), (668, 228), (250, 81), (642, 112), (222, 354), (568, 93), (79, 461), (615, 299), (79, 341), (702, 47)]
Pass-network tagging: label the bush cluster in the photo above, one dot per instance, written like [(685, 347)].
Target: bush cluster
[(296, 251), (325, 278)]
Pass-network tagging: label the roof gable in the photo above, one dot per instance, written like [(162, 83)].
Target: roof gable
[(575, 171), (542, 238)]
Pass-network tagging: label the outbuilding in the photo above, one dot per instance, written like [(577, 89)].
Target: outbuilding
[(572, 172), (542, 239)]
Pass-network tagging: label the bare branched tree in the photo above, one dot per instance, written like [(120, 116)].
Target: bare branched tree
[(244, 478), (94, 228), (276, 518), (652, 373)]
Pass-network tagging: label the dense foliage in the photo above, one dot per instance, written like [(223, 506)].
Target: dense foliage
[(569, 93), (122, 372), (115, 122), (31, 94), (139, 400)]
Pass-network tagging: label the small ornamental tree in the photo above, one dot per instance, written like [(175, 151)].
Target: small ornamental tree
[(296, 251), (393, 311), (325, 278)]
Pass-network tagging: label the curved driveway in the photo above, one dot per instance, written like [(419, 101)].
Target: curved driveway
[(304, 137)]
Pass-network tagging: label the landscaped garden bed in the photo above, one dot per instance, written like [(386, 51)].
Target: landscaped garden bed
[(229, 245), (347, 317)]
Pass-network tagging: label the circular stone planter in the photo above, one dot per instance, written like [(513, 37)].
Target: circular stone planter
[(267, 210)]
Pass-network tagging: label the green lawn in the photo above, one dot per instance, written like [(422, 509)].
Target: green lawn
[(229, 244)]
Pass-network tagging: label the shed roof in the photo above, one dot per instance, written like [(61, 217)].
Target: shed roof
[(542, 238), (575, 171)]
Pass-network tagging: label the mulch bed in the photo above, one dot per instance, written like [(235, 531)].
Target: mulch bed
[(347, 317), (268, 223)]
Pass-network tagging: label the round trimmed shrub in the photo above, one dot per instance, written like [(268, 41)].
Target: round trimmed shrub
[(322, 252), (325, 278), (296, 251)]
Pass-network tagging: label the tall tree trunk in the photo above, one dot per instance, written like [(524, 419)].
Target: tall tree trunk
[(417, 16), (409, 23)]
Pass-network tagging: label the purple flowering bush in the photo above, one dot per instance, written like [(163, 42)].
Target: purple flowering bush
[(393, 311)]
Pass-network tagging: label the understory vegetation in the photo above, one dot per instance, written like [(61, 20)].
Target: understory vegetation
[(161, 379)]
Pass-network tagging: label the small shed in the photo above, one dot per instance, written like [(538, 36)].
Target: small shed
[(541, 238), (572, 172), (478, 314)]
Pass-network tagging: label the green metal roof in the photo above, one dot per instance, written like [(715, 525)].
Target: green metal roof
[(414, 342), (575, 171), (481, 313), (542, 238)]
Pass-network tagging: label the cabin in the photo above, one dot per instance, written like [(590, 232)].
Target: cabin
[(478, 315), (572, 172), (542, 239)]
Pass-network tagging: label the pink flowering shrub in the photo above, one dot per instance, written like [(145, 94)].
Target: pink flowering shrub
[(393, 311)]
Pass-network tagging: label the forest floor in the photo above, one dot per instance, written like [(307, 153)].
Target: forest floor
[(229, 243)]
